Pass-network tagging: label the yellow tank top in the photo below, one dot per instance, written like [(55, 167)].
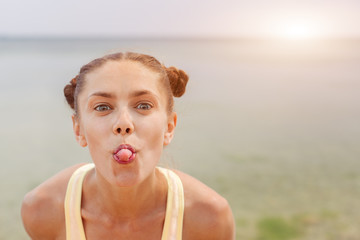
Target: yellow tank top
[(172, 229)]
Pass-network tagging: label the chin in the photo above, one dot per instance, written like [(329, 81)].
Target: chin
[(128, 177)]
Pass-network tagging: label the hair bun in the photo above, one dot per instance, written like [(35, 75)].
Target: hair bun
[(178, 80), (69, 92)]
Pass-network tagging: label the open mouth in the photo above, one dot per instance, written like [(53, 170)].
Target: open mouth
[(124, 154)]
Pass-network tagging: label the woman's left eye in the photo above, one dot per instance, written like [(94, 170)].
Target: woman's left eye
[(144, 106)]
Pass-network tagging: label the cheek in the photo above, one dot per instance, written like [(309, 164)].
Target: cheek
[(152, 130), (95, 132)]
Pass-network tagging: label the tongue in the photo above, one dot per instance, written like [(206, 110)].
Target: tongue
[(124, 155)]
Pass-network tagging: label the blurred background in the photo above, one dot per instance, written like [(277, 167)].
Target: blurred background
[(270, 118)]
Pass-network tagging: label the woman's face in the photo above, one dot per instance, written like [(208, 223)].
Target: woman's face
[(123, 102)]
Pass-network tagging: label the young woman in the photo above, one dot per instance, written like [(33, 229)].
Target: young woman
[(123, 113)]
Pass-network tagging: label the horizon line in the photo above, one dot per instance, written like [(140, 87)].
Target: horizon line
[(165, 38)]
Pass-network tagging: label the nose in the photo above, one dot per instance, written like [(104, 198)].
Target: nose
[(123, 124)]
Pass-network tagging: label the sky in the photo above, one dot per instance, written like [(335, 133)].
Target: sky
[(180, 18)]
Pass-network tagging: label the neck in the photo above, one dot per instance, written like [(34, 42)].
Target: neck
[(126, 202)]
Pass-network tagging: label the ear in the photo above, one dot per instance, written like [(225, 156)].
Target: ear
[(80, 138), (171, 124)]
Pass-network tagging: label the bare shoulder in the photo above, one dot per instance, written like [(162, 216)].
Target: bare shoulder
[(207, 215), (42, 209)]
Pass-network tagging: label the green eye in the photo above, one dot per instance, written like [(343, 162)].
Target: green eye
[(102, 108), (144, 106)]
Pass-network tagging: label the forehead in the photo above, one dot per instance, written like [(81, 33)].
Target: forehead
[(124, 76)]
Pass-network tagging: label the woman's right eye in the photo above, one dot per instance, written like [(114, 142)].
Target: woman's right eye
[(102, 108)]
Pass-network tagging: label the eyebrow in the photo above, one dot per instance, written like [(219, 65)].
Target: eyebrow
[(101, 94), (133, 94), (141, 93)]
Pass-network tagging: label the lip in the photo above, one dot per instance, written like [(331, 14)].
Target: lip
[(124, 146)]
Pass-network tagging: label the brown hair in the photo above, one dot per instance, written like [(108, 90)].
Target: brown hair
[(174, 80)]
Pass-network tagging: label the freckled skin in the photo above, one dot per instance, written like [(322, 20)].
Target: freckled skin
[(123, 103)]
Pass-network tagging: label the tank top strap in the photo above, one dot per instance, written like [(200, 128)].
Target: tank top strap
[(173, 224), (74, 224)]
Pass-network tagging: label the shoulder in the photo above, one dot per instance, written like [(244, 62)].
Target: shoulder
[(207, 215), (42, 209)]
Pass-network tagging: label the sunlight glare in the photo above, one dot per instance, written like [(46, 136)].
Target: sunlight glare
[(297, 31)]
